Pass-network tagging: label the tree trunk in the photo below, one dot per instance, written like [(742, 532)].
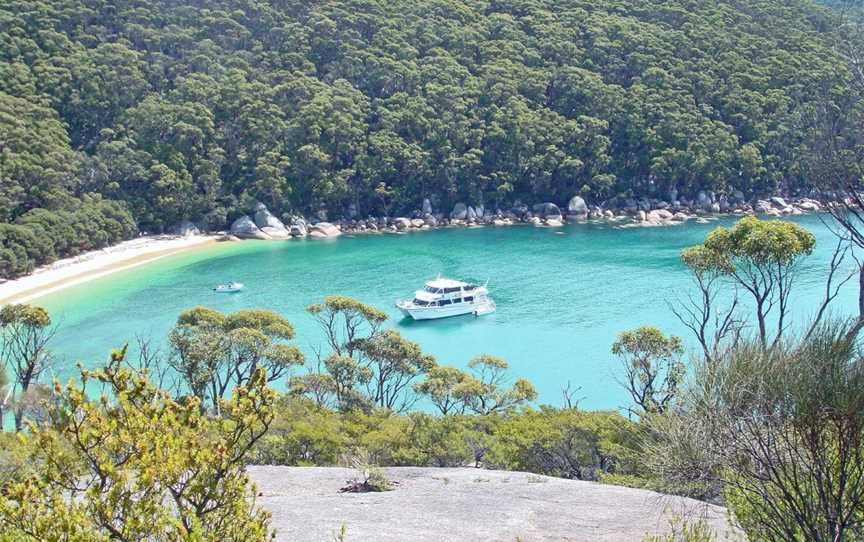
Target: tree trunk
[(859, 323)]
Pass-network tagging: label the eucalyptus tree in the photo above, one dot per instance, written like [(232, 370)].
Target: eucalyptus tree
[(761, 257), (488, 390), (365, 365), (444, 386), (212, 353), (653, 369), (25, 332), (713, 323), (394, 363)]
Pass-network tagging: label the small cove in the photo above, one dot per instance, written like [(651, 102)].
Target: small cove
[(562, 294)]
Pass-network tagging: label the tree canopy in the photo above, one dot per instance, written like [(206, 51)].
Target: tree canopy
[(196, 110)]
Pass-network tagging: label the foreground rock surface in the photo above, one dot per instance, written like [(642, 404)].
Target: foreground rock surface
[(465, 504)]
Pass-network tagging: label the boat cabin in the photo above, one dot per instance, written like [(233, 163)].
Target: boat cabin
[(443, 292)]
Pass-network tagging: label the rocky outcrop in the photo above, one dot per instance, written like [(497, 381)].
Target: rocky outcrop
[(276, 233), (644, 211), (459, 212), (264, 219), (445, 504), (269, 224), (577, 207), (809, 205), (298, 228), (779, 202), (245, 228), (547, 210), (186, 229), (324, 230)]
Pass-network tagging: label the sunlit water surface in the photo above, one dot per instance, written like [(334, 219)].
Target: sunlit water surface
[(562, 294)]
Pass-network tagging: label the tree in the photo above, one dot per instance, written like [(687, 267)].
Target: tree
[(652, 367), (711, 324), (782, 429), (346, 322), (487, 392), (138, 465), (762, 257), (834, 157), (444, 387), (394, 363), (314, 107), (214, 353), (25, 332)]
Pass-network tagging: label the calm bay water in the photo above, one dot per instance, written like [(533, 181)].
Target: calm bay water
[(562, 294)]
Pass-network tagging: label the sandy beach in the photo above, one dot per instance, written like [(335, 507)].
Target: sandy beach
[(98, 263)]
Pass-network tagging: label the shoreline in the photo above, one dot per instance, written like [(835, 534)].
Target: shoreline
[(97, 264), (140, 251)]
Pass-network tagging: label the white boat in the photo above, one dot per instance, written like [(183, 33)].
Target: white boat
[(442, 297), (229, 287)]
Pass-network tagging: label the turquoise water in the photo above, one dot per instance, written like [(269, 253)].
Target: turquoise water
[(562, 294)]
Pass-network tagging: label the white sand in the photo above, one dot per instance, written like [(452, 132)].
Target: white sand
[(98, 263)]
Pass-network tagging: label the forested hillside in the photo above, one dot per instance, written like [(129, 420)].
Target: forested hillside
[(193, 109)]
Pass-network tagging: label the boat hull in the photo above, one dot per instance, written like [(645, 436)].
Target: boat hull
[(434, 313)]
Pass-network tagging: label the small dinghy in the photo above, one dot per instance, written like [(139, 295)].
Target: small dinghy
[(228, 287)]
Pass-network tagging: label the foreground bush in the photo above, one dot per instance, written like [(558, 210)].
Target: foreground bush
[(137, 465), (780, 431)]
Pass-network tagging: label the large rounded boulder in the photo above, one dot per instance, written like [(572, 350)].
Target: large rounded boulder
[(548, 211), (459, 212), (577, 206), (186, 229), (265, 219), (323, 230), (245, 228)]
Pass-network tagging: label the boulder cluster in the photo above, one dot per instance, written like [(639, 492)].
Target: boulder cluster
[(634, 212), (264, 225)]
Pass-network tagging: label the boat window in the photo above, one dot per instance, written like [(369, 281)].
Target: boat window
[(432, 290), (420, 302), (444, 302), (451, 290), (457, 300), (470, 286), (469, 299)]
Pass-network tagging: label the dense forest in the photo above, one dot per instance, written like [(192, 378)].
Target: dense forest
[(117, 115)]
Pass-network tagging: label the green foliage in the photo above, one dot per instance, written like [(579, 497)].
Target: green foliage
[(755, 242), (758, 256), (195, 111), (487, 392), (566, 443), (652, 366), (44, 213), (139, 466), (212, 353), (25, 331), (446, 387), (685, 531), (781, 429), (556, 442)]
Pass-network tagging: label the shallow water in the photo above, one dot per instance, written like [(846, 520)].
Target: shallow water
[(562, 294)]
